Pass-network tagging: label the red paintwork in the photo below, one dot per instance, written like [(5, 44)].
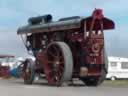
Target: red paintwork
[(87, 49), (4, 71)]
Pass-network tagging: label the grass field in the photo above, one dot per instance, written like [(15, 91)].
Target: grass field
[(116, 83)]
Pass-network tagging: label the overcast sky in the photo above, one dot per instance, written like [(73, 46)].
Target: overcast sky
[(14, 13)]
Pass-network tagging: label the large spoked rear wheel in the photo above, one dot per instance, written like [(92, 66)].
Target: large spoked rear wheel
[(28, 71), (60, 63)]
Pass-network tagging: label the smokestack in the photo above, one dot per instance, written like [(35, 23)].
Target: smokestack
[(40, 19)]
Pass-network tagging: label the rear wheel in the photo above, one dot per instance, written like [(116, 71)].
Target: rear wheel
[(95, 81), (99, 79), (28, 71), (90, 82), (60, 63)]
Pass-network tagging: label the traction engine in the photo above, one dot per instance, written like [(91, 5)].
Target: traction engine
[(69, 48)]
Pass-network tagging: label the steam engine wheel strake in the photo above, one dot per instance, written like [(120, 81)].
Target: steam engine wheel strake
[(59, 63)]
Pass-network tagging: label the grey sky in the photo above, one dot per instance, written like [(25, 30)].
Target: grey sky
[(14, 13)]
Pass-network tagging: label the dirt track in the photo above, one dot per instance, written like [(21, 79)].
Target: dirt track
[(17, 88)]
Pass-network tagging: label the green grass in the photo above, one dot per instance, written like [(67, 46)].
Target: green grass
[(116, 83)]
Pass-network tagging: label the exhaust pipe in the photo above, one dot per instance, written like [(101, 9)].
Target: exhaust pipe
[(40, 19)]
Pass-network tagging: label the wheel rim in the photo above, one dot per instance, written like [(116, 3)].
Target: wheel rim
[(55, 63), (112, 78)]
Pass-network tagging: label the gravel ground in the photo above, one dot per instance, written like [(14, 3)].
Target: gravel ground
[(15, 87)]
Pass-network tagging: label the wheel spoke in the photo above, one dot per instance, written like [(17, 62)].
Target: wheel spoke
[(58, 56), (57, 50), (57, 76), (52, 54), (60, 74), (61, 68), (50, 62), (61, 62)]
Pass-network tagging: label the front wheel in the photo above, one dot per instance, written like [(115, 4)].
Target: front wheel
[(28, 71)]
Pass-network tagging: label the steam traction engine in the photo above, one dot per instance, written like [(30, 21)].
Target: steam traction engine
[(69, 48)]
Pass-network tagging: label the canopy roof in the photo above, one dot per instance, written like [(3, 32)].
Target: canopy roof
[(6, 56), (70, 23)]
